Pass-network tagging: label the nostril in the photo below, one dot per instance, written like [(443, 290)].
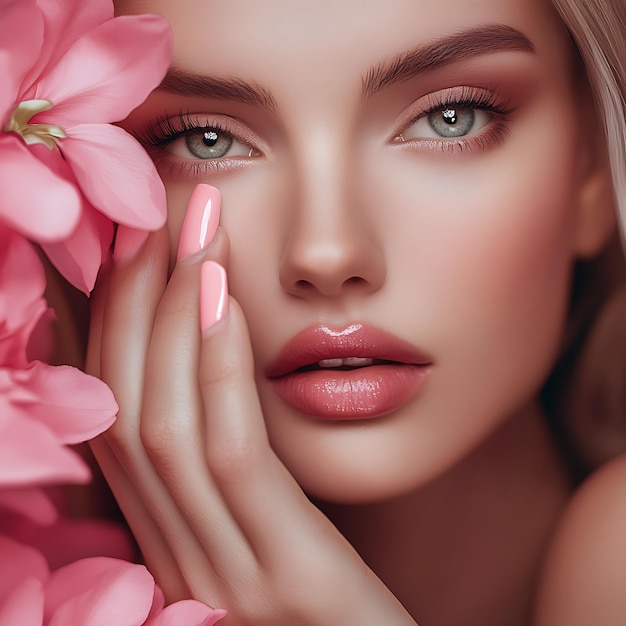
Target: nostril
[(354, 280), (303, 284)]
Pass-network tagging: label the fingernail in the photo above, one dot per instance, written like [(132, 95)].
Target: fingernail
[(201, 220), (128, 242), (213, 294)]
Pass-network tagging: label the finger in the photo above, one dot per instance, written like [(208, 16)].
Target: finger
[(160, 561), (271, 509), (135, 288), (158, 557), (172, 421)]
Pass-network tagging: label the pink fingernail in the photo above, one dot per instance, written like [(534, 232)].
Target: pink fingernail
[(128, 242), (213, 294), (201, 220)]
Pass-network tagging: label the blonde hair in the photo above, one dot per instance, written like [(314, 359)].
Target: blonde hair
[(598, 28), (593, 402)]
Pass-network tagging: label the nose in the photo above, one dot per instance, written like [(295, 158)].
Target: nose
[(332, 246)]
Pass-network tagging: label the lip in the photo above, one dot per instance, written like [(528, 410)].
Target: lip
[(398, 373)]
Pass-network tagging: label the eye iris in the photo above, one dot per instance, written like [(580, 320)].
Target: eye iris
[(208, 143), (452, 122)]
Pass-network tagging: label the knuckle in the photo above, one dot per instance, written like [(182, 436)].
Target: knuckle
[(235, 460), (161, 441), (222, 372)]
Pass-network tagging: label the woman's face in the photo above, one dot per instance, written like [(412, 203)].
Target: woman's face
[(401, 185)]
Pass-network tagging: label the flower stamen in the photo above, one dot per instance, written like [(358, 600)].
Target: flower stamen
[(47, 134)]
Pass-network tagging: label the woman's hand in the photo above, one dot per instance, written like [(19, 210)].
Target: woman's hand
[(217, 515)]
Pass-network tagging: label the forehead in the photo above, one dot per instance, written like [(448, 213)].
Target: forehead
[(253, 36)]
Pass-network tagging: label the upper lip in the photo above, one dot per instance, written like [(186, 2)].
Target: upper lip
[(320, 342)]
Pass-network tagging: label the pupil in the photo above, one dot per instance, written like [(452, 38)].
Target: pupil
[(210, 138), (449, 116)]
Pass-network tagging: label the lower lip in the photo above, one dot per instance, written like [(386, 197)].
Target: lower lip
[(361, 393)]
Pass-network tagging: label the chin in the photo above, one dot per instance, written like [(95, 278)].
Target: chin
[(359, 463)]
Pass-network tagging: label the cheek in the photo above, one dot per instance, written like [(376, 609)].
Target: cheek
[(479, 276), (487, 242)]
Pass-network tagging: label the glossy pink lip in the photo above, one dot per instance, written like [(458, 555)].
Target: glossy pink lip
[(397, 374)]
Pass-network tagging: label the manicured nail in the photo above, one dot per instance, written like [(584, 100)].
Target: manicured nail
[(213, 294), (201, 220), (128, 242)]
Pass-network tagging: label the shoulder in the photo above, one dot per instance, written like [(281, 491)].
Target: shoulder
[(584, 580)]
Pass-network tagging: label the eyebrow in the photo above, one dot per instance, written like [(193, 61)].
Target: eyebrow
[(451, 49), (183, 83), (454, 48)]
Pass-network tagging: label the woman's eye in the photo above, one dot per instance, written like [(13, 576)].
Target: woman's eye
[(448, 123), (208, 143)]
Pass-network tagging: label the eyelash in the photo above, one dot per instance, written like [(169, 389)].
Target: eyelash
[(167, 129), (466, 98)]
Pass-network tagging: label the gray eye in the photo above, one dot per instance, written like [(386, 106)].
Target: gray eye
[(208, 143), (451, 123)]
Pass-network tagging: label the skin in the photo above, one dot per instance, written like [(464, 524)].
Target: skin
[(583, 578), (463, 250)]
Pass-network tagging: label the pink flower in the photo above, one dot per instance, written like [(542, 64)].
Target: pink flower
[(91, 592), (68, 69), (43, 409)]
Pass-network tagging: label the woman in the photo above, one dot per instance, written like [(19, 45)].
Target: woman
[(406, 192)]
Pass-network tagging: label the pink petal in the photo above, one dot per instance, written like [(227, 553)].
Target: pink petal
[(108, 72), (32, 504), (22, 284), (34, 200), (64, 22), (21, 34), (19, 563), (79, 257), (42, 338), (116, 175), (99, 592), (158, 602), (22, 278), (188, 612), (69, 540), (31, 455), (73, 405), (24, 607)]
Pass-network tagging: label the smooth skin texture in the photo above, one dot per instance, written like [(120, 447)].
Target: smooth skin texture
[(342, 204)]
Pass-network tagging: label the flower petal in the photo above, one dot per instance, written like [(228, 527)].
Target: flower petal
[(21, 34), (34, 200), (64, 22), (78, 258), (31, 455), (116, 175), (32, 504), (22, 284), (188, 612), (72, 404), (69, 540), (24, 606), (108, 72), (99, 592), (17, 564)]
